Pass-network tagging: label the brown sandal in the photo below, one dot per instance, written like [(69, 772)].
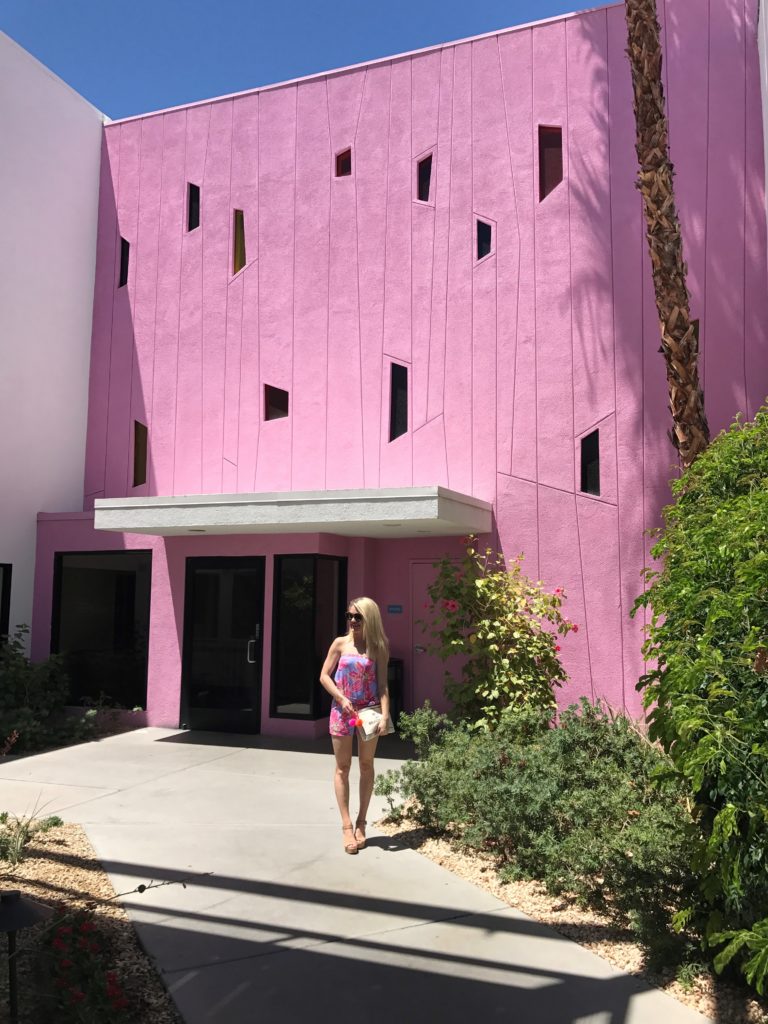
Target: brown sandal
[(351, 846), (359, 824)]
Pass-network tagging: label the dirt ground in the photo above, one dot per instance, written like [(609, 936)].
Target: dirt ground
[(723, 1002), (61, 867)]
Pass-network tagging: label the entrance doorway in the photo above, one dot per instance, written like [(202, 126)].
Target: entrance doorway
[(223, 627)]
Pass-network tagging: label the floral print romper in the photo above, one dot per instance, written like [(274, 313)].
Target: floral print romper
[(356, 678)]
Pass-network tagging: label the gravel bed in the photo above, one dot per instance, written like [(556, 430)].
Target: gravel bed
[(61, 867), (722, 1002)]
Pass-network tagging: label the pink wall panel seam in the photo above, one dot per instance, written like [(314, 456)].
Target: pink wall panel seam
[(361, 373), (178, 318), (745, 405)]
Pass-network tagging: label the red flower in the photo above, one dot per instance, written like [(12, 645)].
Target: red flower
[(575, 628), (557, 647), (76, 995), (64, 929), (558, 590), (451, 606), (87, 926), (59, 944), (64, 964), (111, 977)]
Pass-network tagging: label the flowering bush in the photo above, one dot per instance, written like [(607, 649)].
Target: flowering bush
[(506, 628), (86, 991)]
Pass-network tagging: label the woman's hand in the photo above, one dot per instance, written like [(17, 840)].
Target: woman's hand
[(347, 706), (382, 726)]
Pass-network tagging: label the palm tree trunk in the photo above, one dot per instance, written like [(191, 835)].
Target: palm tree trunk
[(679, 338)]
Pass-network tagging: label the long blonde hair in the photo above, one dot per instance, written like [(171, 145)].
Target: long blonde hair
[(376, 642)]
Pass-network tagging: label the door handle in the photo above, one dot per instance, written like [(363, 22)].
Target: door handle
[(249, 652), (419, 649)]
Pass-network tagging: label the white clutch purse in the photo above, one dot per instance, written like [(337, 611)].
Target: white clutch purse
[(370, 718)]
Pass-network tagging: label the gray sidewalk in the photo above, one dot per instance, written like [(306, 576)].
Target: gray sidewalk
[(287, 927)]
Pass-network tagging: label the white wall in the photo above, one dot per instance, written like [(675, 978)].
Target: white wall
[(50, 148)]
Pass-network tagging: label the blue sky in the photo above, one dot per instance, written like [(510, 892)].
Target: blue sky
[(132, 56)]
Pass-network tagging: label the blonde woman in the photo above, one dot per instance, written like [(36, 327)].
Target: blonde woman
[(359, 661)]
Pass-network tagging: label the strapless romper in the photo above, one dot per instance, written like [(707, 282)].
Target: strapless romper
[(356, 678)]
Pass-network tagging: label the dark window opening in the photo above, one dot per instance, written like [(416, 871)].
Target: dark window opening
[(193, 206), (5, 600), (590, 463), (275, 403), (125, 249), (309, 605), (398, 401), (425, 178), (140, 436), (550, 159), (101, 624), (344, 164), (484, 235), (238, 255)]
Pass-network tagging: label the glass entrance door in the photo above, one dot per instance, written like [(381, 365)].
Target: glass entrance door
[(223, 644)]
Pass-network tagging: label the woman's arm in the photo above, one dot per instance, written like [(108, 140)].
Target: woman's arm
[(382, 681), (326, 679)]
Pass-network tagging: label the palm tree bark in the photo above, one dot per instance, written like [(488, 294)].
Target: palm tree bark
[(679, 338)]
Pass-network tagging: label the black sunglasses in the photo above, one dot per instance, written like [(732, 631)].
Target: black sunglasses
[(354, 617)]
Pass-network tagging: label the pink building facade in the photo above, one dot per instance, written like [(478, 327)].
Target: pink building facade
[(340, 322)]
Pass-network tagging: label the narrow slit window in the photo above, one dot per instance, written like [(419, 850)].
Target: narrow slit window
[(550, 159), (193, 206), (344, 163), (140, 436), (484, 236), (590, 463), (238, 253), (275, 403), (398, 401), (125, 250), (424, 178)]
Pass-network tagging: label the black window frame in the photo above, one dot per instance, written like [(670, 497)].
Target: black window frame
[(424, 161), (320, 700), (140, 453), (125, 257), (590, 464), (193, 206), (5, 601), (480, 242), (398, 391), (340, 163), (58, 557), (547, 133)]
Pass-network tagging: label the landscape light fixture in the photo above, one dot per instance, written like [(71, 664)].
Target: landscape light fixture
[(17, 912)]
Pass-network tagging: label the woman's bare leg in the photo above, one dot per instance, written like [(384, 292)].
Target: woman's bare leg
[(366, 751), (342, 749)]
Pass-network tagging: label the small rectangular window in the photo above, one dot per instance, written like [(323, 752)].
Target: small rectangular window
[(590, 463), (484, 235), (344, 164), (275, 403), (398, 401), (140, 437), (425, 178), (193, 206), (125, 249), (5, 600), (550, 159), (238, 254)]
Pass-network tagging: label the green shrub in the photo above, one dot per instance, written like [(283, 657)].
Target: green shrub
[(708, 690), (574, 806), (506, 628), (17, 831), (33, 696)]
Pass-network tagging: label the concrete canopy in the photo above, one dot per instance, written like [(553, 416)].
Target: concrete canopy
[(369, 512)]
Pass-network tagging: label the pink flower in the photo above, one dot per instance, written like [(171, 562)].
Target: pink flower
[(451, 606), (558, 590), (557, 647)]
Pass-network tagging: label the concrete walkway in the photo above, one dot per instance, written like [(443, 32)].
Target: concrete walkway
[(289, 928)]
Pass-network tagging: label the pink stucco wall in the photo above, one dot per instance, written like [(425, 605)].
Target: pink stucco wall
[(511, 360)]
